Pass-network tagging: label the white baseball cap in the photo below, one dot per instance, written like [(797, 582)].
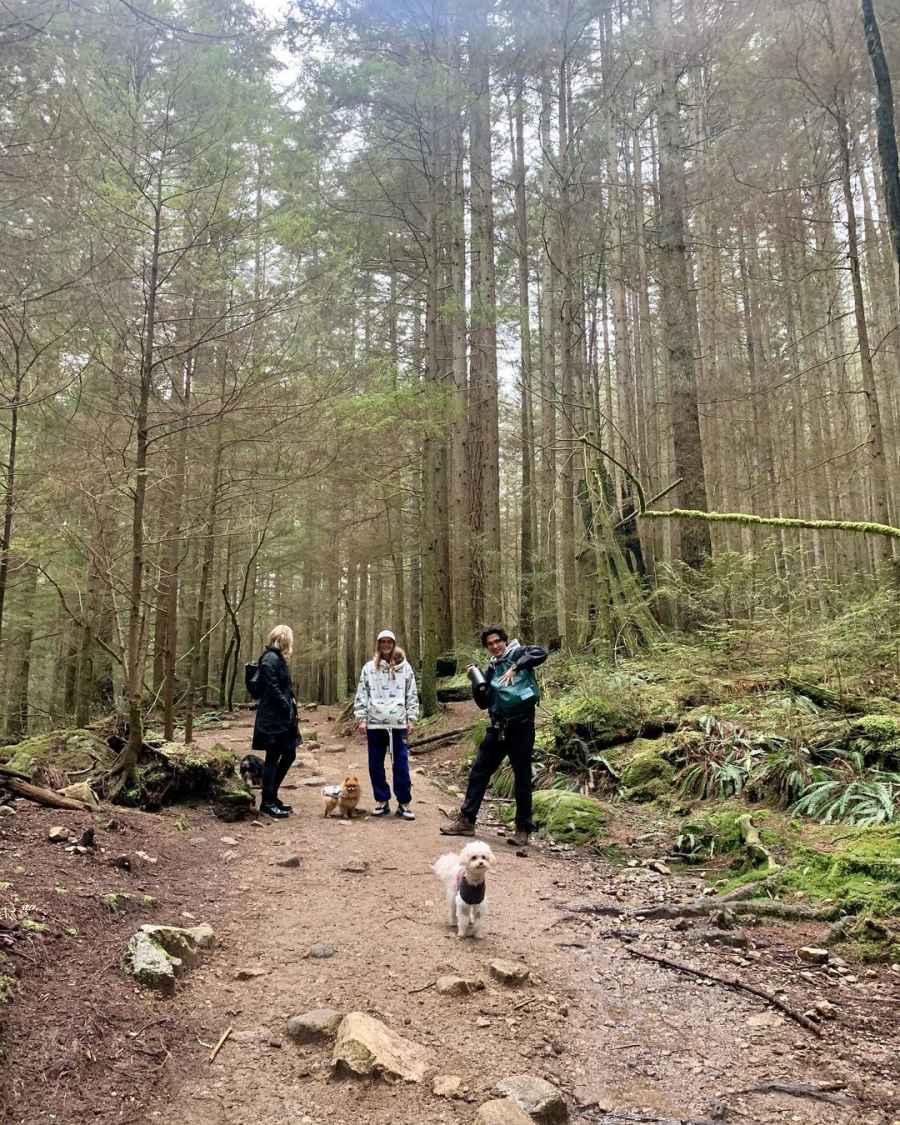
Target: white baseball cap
[(385, 635)]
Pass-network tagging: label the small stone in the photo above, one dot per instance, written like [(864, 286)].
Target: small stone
[(509, 972), (146, 858), (315, 1026), (291, 861), (321, 951), (336, 748), (501, 1111), (538, 1098), (313, 781), (681, 925), (229, 841), (249, 972), (659, 867), (121, 861), (482, 1021), (447, 1086), (87, 838), (457, 986), (724, 937), (826, 1009), (197, 840), (7, 810), (112, 826), (813, 955), (313, 745), (356, 867), (58, 834)]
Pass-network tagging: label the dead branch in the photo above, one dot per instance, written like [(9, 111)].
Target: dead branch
[(732, 982), (423, 745), (828, 1092)]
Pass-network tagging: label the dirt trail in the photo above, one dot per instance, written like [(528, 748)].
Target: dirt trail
[(619, 1037)]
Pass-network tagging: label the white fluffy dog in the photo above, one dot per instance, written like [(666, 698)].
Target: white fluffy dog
[(463, 876)]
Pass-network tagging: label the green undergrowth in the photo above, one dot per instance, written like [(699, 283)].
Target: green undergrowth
[(857, 870)]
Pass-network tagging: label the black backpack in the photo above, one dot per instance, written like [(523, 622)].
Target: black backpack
[(253, 680)]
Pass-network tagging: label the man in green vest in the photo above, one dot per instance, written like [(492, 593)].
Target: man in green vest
[(509, 692)]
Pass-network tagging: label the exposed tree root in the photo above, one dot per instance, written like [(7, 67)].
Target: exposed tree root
[(732, 982)]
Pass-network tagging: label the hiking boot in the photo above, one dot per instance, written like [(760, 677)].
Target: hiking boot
[(283, 806), (274, 811), (405, 813), (458, 827), (519, 838), (382, 809)]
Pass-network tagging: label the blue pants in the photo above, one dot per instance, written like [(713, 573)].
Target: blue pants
[(378, 744)]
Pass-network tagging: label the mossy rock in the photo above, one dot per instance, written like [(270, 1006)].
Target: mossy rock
[(565, 817), (7, 984), (646, 774), (59, 751), (233, 800)]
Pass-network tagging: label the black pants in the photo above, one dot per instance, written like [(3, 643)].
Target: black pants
[(514, 740), (278, 761)]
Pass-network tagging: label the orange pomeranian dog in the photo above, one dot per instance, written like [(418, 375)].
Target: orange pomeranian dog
[(344, 797)]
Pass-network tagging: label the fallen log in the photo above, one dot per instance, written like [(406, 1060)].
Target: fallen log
[(5, 771), (40, 795), (726, 982), (423, 745)]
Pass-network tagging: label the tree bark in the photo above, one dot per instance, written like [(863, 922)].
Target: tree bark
[(679, 313)]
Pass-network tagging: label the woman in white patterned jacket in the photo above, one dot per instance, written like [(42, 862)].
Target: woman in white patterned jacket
[(386, 707)]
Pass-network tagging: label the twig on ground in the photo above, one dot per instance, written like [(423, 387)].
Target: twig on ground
[(423, 988), (218, 1047), (732, 982), (827, 1092)]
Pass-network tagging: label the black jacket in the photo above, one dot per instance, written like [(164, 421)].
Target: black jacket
[(276, 712), (526, 656)]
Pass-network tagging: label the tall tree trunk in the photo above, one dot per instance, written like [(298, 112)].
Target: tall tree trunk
[(679, 314), (483, 401), (19, 667), (884, 120), (9, 499), (549, 556), (880, 492), (527, 537)]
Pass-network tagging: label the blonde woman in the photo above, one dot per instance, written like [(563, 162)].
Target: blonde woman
[(276, 729), (386, 706)]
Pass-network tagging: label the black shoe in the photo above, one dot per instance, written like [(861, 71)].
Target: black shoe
[(273, 810), (282, 805)]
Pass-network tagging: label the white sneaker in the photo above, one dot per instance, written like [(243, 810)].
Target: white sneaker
[(405, 812), (384, 809)]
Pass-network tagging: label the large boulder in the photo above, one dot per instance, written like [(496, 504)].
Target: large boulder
[(80, 791), (366, 1046)]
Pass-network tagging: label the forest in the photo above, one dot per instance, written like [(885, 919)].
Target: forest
[(577, 318), (377, 313)]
